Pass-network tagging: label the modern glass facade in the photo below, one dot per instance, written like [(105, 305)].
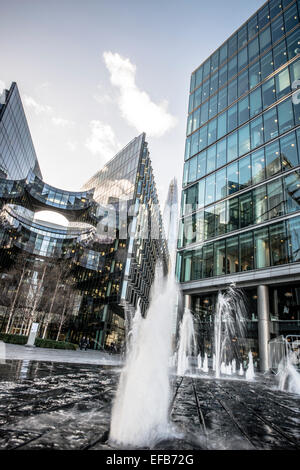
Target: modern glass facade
[(17, 154), (240, 203)]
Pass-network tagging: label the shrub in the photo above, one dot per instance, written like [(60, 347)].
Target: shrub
[(13, 339), (50, 343)]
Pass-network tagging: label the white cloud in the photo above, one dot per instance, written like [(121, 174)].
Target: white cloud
[(102, 140), (37, 107), (136, 105), (62, 122)]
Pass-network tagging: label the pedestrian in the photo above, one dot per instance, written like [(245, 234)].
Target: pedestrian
[(87, 344), (82, 343)]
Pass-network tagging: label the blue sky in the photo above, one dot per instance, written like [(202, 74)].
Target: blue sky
[(94, 73)]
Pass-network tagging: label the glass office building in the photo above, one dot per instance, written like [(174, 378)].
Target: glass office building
[(240, 208), (17, 154)]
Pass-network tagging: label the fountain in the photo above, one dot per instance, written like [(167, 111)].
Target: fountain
[(205, 363), (187, 342), (229, 323), (250, 370), (241, 370), (199, 361), (289, 377)]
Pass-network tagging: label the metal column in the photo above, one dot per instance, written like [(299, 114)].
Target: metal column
[(263, 326), (188, 301)]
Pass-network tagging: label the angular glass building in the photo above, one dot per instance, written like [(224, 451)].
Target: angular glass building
[(240, 208), (17, 154)]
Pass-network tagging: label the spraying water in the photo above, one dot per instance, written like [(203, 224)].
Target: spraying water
[(187, 342), (205, 363), (289, 377), (250, 375), (229, 323), (199, 362)]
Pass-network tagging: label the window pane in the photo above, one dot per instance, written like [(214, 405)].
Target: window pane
[(197, 265), (212, 132), (208, 260), (195, 143), (245, 172), (244, 140), (233, 214), (265, 40), (209, 222), (221, 187), (289, 154), (232, 67), (254, 75), (283, 83), (221, 221), (291, 18), (268, 93), (214, 83), (293, 44), (285, 116), (222, 125), (243, 110), (246, 251), (193, 170), (210, 189), (232, 178), (278, 240), (253, 49), (257, 132), (201, 164), (222, 99), (201, 194), (270, 124), (211, 158), (221, 153), (260, 206), (280, 54), (232, 91), (273, 162), (255, 102), (242, 58), (213, 106), (277, 28), (232, 146), (203, 138), (246, 209), (232, 255), (261, 248), (219, 258), (266, 65), (222, 76), (258, 166), (294, 238), (292, 191), (232, 118), (243, 83), (275, 199)]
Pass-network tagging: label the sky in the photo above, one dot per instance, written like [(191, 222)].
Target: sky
[(94, 74)]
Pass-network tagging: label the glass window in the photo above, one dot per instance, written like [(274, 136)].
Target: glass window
[(210, 189), (212, 132), (255, 102), (292, 191), (232, 67), (192, 86), (252, 27), (285, 116), (189, 124), (232, 178), (198, 95), (266, 65), (289, 154), (223, 76), (195, 143), (293, 44), (197, 265), (211, 158), (190, 199), (232, 146), (273, 162), (193, 170), (221, 153), (232, 255), (214, 64), (275, 199), (283, 83), (199, 226), (202, 137), (278, 244), (209, 222), (233, 214), (232, 118), (242, 59), (280, 54), (208, 260), (222, 99), (291, 18), (220, 214), (243, 110), (245, 172), (187, 264), (213, 106), (261, 248), (265, 40), (201, 194), (260, 204), (257, 132), (223, 53), (204, 113), (185, 174), (263, 17), (275, 8), (253, 49), (201, 164), (244, 139), (219, 258), (232, 91), (270, 124), (222, 125), (214, 83), (258, 166), (196, 119), (268, 93), (295, 70), (246, 251), (206, 69), (221, 187), (254, 75), (199, 76), (243, 83), (294, 238), (277, 28), (246, 209), (242, 36), (191, 103), (189, 231), (232, 45)]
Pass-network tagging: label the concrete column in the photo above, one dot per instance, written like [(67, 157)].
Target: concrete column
[(187, 301), (263, 326)]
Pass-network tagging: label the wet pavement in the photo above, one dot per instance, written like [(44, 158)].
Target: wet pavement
[(52, 405)]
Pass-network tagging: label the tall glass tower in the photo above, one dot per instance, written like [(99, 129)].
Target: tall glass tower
[(240, 208)]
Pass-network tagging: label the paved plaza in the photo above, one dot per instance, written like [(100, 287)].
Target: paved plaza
[(47, 404)]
